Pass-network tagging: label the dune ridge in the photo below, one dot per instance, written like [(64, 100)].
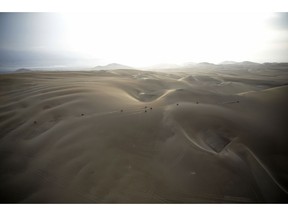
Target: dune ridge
[(131, 136)]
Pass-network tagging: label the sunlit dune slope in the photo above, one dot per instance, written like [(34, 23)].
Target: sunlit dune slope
[(129, 136)]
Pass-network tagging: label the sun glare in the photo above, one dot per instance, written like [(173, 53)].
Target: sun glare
[(141, 39)]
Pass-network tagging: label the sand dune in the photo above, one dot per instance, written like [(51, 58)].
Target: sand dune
[(129, 136)]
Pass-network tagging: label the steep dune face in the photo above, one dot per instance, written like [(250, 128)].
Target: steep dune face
[(128, 136)]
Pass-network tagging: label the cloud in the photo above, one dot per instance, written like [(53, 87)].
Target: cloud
[(25, 30), (279, 21), (142, 39)]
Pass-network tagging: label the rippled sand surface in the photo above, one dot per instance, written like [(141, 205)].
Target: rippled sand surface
[(129, 136)]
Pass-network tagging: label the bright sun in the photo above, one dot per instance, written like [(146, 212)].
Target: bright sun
[(143, 39)]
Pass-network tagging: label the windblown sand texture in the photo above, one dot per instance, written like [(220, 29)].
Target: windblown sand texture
[(131, 136)]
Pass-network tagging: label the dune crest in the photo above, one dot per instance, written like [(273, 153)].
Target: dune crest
[(131, 136)]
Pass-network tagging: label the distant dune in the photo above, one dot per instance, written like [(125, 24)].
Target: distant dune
[(208, 134), (112, 66), (23, 70), (206, 66)]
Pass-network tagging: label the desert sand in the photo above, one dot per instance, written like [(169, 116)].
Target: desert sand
[(204, 135)]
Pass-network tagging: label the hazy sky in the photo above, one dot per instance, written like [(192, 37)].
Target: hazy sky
[(142, 39)]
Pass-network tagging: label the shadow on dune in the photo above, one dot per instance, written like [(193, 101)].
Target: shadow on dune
[(129, 136)]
